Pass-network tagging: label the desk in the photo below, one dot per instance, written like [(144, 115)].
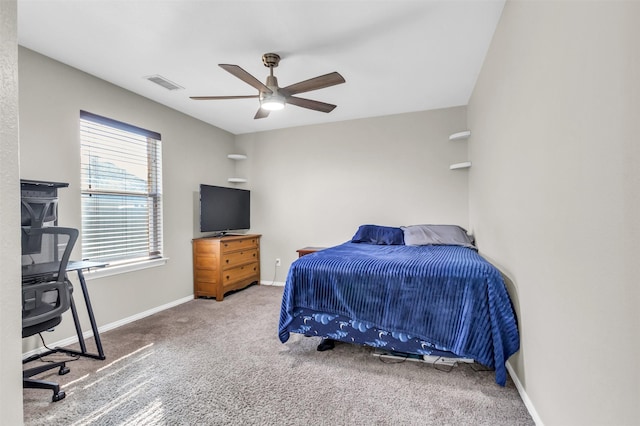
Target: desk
[(78, 266)]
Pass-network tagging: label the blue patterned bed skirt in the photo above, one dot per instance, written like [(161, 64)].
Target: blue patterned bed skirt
[(343, 329)]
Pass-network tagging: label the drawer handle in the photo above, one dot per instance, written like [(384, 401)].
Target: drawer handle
[(227, 276), (254, 255), (227, 260)]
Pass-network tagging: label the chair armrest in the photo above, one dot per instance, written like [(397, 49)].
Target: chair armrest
[(37, 304)]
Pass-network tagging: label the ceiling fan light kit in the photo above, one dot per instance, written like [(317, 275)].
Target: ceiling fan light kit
[(271, 96), (272, 102)]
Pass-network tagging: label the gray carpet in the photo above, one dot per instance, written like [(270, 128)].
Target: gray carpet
[(221, 363)]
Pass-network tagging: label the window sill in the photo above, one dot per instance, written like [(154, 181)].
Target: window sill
[(123, 269)]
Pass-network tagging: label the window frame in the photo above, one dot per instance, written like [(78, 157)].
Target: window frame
[(153, 194)]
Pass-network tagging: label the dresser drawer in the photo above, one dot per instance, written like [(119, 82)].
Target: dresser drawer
[(233, 245), (232, 276), (231, 260)]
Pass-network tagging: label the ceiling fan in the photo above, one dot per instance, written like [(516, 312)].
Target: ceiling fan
[(271, 96)]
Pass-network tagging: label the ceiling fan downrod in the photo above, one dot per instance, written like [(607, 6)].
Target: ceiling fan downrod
[(271, 60)]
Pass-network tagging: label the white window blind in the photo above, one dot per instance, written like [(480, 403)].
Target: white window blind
[(121, 181)]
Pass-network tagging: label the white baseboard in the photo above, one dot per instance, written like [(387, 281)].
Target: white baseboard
[(87, 334), (144, 314), (523, 394), (273, 283)]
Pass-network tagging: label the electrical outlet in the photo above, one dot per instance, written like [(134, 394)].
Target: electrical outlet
[(278, 263)]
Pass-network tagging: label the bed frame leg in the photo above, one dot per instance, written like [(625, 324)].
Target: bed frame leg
[(326, 345)]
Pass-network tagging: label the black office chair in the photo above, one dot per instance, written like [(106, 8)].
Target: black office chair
[(36, 212), (46, 293)]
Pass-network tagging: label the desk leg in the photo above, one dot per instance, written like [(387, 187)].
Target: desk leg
[(92, 319), (76, 321)]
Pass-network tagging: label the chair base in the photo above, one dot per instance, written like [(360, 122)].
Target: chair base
[(29, 383)]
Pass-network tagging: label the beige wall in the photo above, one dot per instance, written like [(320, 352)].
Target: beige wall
[(314, 185), (10, 348), (51, 96), (554, 200)]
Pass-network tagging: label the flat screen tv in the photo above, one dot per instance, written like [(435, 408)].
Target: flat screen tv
[(224, 209)]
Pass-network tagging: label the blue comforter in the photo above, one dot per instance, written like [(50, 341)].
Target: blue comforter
[(447, 295)]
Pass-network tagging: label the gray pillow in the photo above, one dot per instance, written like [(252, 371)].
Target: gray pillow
[(422, 235)]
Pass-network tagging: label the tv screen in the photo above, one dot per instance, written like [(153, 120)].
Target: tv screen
[(224, 209)]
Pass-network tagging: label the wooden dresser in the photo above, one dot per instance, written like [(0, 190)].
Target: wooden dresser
[(222, 264)]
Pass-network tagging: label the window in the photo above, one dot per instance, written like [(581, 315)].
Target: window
[(121, 186)]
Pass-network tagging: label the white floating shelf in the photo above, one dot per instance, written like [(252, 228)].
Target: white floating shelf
[(460, 135), (237, 157), (464, 165), (237, 180)]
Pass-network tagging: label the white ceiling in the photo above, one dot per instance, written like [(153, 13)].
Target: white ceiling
[(396, 56)]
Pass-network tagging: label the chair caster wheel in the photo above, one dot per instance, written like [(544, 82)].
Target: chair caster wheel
[(58, 396), (63, 370)]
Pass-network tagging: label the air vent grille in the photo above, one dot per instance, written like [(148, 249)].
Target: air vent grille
[(161, 81)]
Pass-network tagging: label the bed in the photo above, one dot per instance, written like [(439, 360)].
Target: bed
[(422, 289)]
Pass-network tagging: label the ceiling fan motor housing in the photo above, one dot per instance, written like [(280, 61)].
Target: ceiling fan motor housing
[(275, 100), (272, 83)]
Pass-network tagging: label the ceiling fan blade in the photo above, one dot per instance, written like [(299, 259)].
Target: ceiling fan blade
[(261, 113), (310, 104), (315, 83), (246, 77), (209, 98)]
